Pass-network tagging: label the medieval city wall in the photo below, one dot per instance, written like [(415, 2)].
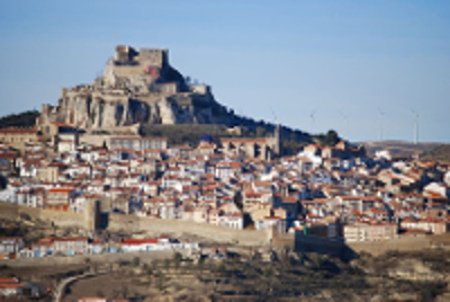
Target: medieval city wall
[(321, 245), (59, 218), (135, 224), (177, 227), (8, 211), (283, 241), (95, 139), (402, 244)]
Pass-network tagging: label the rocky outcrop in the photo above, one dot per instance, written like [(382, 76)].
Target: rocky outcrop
[(137, 87), (90, 110)]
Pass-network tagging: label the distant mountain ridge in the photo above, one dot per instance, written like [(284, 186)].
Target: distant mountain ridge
[(439, 153), (425, 150)]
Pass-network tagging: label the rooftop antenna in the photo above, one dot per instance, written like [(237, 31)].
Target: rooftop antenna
[(416, 126), (312, 116), (274, 116), (381, 115)]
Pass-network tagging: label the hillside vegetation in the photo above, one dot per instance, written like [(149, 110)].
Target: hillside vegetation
[(23, 119), (290, 277)]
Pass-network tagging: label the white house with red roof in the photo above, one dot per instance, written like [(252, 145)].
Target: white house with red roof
[(10, 287), (140, 245), (10, 246)]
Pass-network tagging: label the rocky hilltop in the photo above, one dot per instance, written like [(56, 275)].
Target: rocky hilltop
[(137, 87), (139, 92)]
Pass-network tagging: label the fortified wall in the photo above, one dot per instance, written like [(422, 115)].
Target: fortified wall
[(131, 223), (58, 218), (177, 227)]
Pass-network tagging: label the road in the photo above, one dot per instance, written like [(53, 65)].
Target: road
[(60, 289)]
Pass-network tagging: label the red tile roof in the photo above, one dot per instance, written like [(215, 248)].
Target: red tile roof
[(139, 241)]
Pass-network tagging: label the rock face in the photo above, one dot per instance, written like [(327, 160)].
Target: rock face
[(137, 87)]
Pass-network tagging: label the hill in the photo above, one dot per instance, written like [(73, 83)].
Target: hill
[(439, 153), (140, 87), (139, 91), (399, 148)]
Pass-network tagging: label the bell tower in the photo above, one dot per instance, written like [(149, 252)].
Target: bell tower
[(277, 139)]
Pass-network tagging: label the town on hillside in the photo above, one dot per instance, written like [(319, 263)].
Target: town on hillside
[(333, 192), (84, 189)]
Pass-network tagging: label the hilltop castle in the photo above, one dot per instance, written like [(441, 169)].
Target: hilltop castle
[(137, 87), (140, 88)]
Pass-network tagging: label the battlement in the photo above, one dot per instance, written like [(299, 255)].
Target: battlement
[(124, 55), (127, 55), (153, 56)]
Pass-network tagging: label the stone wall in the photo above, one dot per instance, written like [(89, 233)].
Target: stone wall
[(283, 241), (145, 257), (136, 224), (317, 244), (177, 227), (403, 244), (59, 218), (8, 211)]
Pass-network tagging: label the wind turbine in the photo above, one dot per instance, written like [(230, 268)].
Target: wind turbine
[(274, 116), (276, 133), (312, 116), (416, 126), (381, 115)]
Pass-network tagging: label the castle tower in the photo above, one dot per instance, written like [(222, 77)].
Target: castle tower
[(92, 215)]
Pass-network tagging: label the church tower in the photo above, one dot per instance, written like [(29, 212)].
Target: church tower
[(277, 139)]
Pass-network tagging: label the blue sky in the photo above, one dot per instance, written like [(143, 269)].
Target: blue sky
[(356, 64)]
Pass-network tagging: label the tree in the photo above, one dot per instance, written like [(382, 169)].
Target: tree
[(331, 138), (23, 119), (136, 261), (177, 257), (160, 280), (201, 263), (268, 274), (3, 182), (221, 268), (147, 269), (166, 263)]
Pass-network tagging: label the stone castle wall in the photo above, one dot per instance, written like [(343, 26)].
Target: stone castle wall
[(402, 244), (58, 218), (137, 88), (152, 56), (136, 224), (177, 227)]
